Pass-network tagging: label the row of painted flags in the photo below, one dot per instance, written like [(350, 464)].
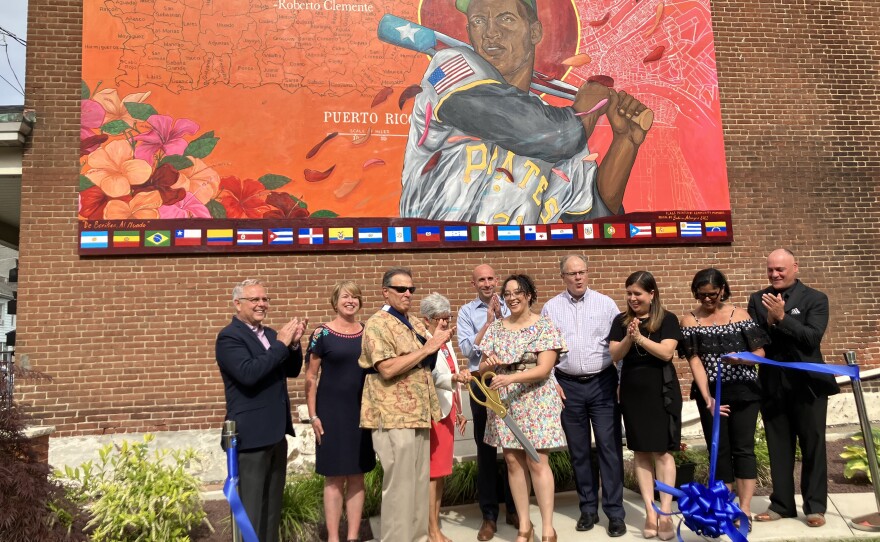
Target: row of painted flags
[(397, 234)]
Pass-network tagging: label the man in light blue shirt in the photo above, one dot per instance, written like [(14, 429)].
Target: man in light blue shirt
[(587, 381), (474, 319)]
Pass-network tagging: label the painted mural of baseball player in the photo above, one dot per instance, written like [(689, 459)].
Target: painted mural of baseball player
[(496, 154)]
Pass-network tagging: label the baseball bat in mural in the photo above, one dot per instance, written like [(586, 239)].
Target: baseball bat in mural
[(415, 37)]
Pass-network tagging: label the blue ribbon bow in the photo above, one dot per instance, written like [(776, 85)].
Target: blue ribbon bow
[(230, 490), (711, 511)]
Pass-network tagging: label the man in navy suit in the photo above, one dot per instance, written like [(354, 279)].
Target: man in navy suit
[(255, 362), (794, 403)]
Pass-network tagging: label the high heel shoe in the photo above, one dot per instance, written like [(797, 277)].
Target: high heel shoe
[(529, 536), (663, 533), (551, 538), (650, 530)]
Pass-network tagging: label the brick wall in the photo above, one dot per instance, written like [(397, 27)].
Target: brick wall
[(129, 340)]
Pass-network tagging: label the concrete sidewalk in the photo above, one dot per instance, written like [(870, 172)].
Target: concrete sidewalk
[(460, 523)]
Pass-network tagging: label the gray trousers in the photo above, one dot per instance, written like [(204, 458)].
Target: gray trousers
[(405, 456)]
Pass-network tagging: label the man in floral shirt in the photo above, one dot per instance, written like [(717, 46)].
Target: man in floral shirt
[(399, 402)]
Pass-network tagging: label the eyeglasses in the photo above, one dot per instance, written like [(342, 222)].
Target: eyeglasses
[(255, 300), (708, 295), (517, 293), (448, 317), (574, 273), (402, 289)]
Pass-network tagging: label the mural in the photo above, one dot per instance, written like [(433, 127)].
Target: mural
[(257, 125)]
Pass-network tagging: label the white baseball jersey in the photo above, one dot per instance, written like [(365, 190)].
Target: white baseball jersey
[(505, 156)]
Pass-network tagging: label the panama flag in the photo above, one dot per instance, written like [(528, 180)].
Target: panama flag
[(536, 233), (716, 229), (691, 229), (184, 238), (482, 233), (94, 239), (587, 231), (369, 235), (640, 230), (311, 236), (508, 233), (455, 233), (400, 234), (249, 237), (428, 233), (613, 231), (219, 237), (281, 236), (666, 229)]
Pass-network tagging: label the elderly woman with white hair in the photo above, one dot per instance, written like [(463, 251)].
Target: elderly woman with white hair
[(437, 314)]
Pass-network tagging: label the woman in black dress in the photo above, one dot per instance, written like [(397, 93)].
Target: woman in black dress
[(344, 451), (645, 338)]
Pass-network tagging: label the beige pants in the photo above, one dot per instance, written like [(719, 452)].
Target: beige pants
[(405, 456)]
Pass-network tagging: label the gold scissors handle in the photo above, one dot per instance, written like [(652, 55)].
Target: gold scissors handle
[(493, 399)]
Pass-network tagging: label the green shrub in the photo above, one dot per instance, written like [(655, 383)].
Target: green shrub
[(563, 472), (460, 487), (137, 496), (857, 456), (302, 507), (373, 491), (762, 457)]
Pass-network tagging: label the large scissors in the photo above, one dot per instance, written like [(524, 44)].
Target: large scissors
[(493, 402)]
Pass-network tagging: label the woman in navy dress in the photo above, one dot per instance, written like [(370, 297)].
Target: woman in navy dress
[(344, 451)]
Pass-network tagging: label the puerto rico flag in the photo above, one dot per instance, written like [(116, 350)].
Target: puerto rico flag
[(640, 230), (428, 233), (311, 236), (400, 234), (281, 236), (561, 231), (453, 71), (187, 238), (536, 233), (249, 237)]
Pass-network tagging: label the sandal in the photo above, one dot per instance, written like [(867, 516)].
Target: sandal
[(551, 538), (769, 515), (529, 536), (650, 530), (816, 520)]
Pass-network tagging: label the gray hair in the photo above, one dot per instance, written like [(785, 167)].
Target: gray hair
[(393, 272), (434, 304), (239, 288), (564, 260)]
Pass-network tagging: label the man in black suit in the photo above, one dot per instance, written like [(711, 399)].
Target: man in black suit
[(255, 362), (794, 403)]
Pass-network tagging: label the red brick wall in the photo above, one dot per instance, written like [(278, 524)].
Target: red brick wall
[(129, 341)]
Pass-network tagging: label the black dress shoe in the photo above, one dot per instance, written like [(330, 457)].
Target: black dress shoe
[(586, 521), (616, 527)]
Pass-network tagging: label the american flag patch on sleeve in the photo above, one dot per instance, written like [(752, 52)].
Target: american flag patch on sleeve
[(448, 74)]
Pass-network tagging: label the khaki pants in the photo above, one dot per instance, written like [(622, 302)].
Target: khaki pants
[(405, 457)]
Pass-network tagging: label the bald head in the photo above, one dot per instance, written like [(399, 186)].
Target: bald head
[(485, 281), (782, 269)]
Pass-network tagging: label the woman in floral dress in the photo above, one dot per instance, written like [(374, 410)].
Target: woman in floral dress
[(522, 350)]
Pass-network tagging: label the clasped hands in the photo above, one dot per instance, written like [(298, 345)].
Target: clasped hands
[(293, 331)]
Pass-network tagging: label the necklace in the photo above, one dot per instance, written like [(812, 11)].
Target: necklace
[(639, 351)]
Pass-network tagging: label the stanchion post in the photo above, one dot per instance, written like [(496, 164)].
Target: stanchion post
[(230, 442), (868, 522)]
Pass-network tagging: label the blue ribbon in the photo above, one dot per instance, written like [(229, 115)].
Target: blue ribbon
[(711, 511), (230, 489)]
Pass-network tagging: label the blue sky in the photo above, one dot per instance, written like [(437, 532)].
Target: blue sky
[(13, 17)]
